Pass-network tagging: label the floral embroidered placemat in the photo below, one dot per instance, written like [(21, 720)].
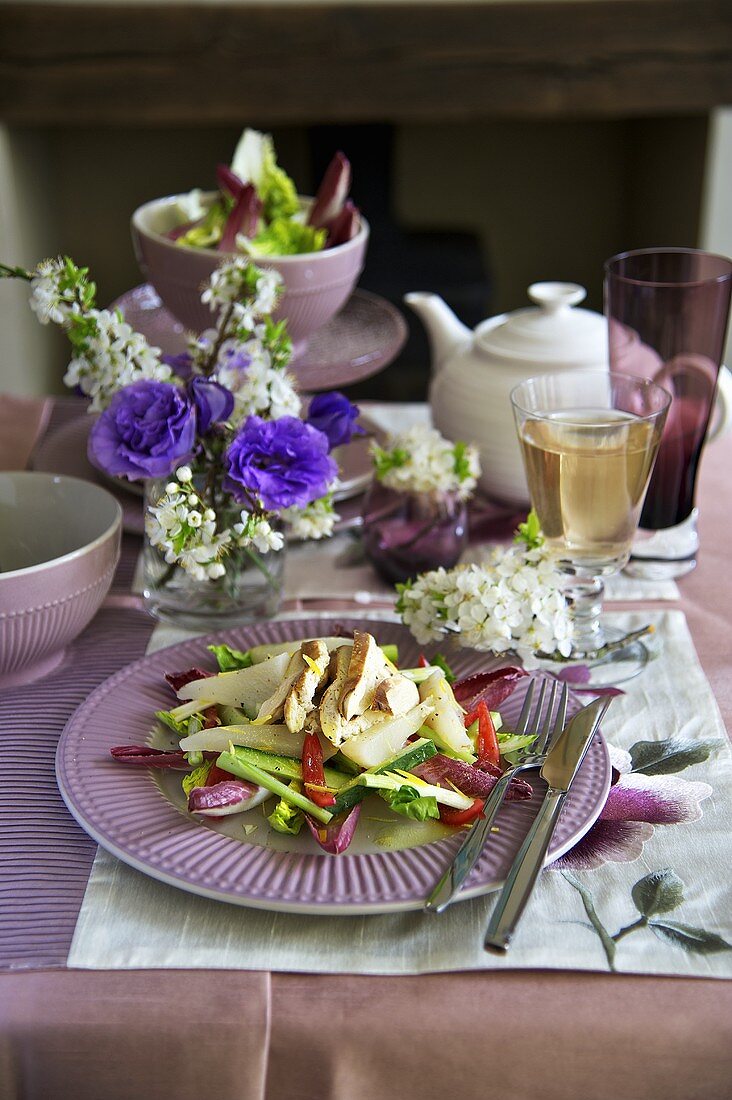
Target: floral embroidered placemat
[(646, 891)]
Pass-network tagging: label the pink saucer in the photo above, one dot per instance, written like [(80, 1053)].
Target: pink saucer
[(361, 340)]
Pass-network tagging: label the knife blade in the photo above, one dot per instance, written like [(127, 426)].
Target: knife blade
[(559, 770)]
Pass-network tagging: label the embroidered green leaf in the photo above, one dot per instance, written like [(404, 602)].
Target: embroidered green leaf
[(696, 940), (672, 755), (606, 939), (659, 892)]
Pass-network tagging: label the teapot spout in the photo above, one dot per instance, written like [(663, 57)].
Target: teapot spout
[(446, 333)]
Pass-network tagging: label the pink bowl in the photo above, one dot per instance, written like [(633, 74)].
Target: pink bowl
[(59, 547), (316, 284)]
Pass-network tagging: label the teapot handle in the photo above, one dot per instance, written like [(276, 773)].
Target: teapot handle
[(555, 296), (723, 406)]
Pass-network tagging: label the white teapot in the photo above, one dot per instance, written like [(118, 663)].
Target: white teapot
[(474, 372)]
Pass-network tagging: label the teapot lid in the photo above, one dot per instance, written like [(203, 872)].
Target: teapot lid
[(555, 332)]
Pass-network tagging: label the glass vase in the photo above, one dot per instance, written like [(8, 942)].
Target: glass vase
[(250, 589), (405, 533)]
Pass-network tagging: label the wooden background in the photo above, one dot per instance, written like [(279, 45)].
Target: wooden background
[(159, 64)]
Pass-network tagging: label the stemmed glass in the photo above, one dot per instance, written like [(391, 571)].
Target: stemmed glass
[(589, 439)]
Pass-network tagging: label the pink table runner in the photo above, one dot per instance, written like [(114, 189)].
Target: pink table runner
[(85, 1035)]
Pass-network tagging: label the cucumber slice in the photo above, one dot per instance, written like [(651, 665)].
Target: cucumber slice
[(288, 766), (231, 763), (409, 757)]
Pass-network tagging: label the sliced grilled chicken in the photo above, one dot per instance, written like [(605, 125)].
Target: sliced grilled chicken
[(301, 697)]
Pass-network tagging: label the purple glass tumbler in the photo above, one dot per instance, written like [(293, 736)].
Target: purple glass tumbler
[(667, 311)]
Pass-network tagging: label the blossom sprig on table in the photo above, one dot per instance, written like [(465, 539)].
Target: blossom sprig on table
[(222, 420), (421, 460), (512, 601)]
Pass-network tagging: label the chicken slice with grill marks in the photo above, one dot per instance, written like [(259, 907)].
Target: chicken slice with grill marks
[(272, 709), (300, 699), (334, 726), (396, 695), (367, 668)]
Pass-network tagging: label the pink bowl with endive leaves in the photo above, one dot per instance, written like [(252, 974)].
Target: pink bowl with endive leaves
[(59, 547), (316, 284)]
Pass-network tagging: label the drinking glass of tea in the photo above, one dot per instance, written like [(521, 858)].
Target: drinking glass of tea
[(589, 439), (667, 311)]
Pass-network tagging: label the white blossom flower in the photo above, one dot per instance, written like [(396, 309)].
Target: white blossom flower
[(420, 460), (186, 535), (54, 291), (109, 356), (315, 521), (257, 531), (512, 601), (237, 282), (259, 389)]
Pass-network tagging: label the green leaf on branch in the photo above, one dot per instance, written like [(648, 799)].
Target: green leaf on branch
[(695, 940), (530, 532), (385, 460), (672, 755), (659, 892)]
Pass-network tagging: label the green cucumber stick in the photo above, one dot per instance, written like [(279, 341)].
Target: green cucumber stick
[(231, 763)]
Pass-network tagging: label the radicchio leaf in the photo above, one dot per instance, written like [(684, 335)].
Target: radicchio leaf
[(181, 230), (491, 688), (149, 758), (242, 219), (335, 837), (471, 780), (228, 181), (177, 680), (344, 226), (332, 193), (231, 796)]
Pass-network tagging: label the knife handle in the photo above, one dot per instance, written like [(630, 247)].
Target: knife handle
[(523, 874), (469, 852)]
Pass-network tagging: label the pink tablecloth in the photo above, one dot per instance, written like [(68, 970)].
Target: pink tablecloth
[(560, 1036)]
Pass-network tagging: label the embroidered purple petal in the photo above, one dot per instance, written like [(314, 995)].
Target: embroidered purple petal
[(606, 842), (659, 800)]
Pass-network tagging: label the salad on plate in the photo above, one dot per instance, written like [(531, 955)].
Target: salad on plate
[(257, 210), (315, 726)]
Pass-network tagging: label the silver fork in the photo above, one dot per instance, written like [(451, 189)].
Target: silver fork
[(531, 757)]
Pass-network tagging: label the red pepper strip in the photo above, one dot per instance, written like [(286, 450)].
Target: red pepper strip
[(423, 662), (486, 743), (449, 816), (312, 771), (217, 775), (210, 717)]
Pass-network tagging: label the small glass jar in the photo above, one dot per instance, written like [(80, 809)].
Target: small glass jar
[(250, 589), (408, 533)]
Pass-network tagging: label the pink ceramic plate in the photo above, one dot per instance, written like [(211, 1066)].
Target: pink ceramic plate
[(140, 817), (361, 340)]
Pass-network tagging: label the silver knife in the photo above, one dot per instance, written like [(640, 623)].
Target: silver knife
[(560, 768)]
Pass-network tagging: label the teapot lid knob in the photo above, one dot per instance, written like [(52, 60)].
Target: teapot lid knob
[(555, 296)]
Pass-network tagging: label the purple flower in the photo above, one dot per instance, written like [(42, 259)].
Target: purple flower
[(181, 365), (333, 414), (234, 358), (212, 400), (148, 429), (283, 463)]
